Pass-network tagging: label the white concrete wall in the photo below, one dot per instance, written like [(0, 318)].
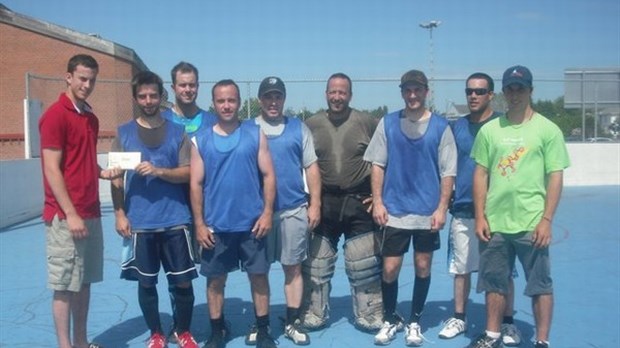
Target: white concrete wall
[(21, 189), (21, 186), (593, 164)]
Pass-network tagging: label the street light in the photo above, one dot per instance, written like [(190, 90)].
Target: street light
[(430, 26)]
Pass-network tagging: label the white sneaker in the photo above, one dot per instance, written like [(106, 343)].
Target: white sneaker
[(413, 335), (387, 332), (511, 336), (295, 334), (453, 327)]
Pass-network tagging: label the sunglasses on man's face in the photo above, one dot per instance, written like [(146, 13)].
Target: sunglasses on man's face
[(478, 91)]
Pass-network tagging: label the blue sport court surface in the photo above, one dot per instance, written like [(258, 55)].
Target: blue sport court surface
[(585, 267)]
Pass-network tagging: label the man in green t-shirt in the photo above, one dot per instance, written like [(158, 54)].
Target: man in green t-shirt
[(520, 158)]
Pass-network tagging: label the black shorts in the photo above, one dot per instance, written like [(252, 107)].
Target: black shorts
[(344, 214), (148, 251), (395, 241)]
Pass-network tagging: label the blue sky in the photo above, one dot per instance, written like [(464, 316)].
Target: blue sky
[(370, 39)]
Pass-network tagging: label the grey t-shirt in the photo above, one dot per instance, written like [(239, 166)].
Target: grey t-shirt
[(377, 154)]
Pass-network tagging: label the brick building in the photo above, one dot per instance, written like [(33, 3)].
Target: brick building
[(33, 63)]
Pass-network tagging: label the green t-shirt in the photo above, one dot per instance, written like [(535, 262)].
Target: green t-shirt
[(518, 159)]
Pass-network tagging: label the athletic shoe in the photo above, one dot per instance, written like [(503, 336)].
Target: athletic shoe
[(294, 333), (541, 344), (250, 338), (413, 335), (186, 340), (387, 333), (264, 339), (453, 327), (484, 341), (157, 340), (511, 336), (218, 338), (173, 336)]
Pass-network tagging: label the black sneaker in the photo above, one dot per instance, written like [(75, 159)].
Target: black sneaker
[(250, 338), (264, 339), (541, 344), (173, 337), (218, 338), (484, 341)]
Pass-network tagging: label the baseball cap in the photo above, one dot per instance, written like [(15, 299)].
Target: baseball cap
[(270, 84), (517, 75), (415, 77)]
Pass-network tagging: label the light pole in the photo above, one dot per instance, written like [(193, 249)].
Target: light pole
[(430, 26)]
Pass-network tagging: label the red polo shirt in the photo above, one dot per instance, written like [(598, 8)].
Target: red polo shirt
[(63, 127)]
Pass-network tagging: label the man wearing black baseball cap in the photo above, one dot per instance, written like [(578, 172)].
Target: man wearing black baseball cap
[(272, 84), (292, 149), (520, 158)]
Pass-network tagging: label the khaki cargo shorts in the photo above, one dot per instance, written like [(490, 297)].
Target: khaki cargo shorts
[(71, 263)]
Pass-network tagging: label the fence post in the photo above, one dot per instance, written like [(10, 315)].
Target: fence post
[(248, 100)]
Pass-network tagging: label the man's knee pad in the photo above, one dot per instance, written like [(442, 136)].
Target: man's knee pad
[(317, 271), (363, 267)]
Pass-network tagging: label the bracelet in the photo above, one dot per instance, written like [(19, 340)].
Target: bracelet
[(546, 218)]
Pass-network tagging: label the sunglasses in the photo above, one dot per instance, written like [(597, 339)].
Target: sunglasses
[(478, 91)]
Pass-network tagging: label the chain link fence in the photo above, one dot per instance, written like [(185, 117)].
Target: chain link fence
[(113, 104), (111, 101)]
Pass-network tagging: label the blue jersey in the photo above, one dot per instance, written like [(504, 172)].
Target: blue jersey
[(287, 154), (192, 125), (412, 183), (233, 196), (150, 202), (464, 134)]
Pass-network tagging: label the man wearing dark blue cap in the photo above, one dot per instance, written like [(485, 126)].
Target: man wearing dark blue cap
[(520, 158), (295, 213)]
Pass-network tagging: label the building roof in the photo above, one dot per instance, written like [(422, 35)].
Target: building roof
[(90, 41)]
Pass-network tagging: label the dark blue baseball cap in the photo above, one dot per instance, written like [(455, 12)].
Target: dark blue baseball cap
[(519, 75)]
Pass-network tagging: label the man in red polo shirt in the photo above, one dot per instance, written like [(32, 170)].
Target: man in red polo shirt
[(72, 212)]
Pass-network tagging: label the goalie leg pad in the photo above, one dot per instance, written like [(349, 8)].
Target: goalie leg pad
[(317, 270), (363, 266)]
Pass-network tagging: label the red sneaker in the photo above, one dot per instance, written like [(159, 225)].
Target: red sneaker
[(157, 340), (186, 340)]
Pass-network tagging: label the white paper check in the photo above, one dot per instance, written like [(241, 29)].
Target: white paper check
[(123, 160)]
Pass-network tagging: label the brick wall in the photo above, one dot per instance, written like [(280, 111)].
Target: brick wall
[(24, 51)]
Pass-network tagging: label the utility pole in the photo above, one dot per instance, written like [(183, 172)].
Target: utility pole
[(430, 26)]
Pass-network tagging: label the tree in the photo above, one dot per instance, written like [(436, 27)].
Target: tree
[(378, 112), (253, 111), (568, 120), (499, 103), (304, 113)]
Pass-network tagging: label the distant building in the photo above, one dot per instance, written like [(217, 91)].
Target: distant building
[(598, 91), (455, 111), (33, 65)]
